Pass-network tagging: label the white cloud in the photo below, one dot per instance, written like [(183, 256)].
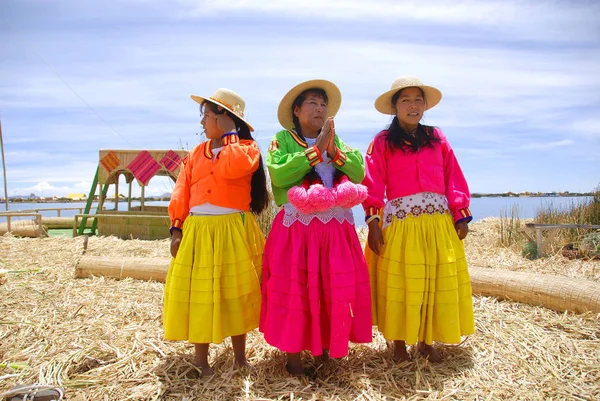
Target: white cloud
[(501, 95), (518, 19), (587, 127), (545, 145)]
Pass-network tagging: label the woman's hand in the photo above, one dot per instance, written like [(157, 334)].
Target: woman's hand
[(462, 229), (326, 135), (375, 238), (225, 123), (331, 148), (175, 242)]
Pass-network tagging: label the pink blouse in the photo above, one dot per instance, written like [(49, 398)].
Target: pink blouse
[(393, 174)]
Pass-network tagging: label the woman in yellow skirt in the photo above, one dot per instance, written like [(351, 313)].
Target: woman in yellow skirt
[(213, 285), (417, 211)]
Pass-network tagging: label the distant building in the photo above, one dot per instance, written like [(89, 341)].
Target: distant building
[(77, 197)]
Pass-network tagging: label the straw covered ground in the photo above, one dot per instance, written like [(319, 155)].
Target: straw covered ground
[(101, 338)]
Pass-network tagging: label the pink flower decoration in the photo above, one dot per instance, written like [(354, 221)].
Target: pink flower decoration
[(317, 198), (298, 197), (349, 194), (320, 197)]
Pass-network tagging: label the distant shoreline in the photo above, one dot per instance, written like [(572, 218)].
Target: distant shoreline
[(67, 200), (166, 199), (533, 195)]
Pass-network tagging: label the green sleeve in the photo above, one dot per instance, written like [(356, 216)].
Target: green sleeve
[(349, 161), (286, 162)]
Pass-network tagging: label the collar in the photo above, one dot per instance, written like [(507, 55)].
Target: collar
[(297, 138), (208, 153)]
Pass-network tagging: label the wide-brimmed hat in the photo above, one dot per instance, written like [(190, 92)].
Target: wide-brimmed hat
[(383, 104), (284, 112), (227, 99)]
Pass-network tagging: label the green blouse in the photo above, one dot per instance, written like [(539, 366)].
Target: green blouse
[(290, 158)]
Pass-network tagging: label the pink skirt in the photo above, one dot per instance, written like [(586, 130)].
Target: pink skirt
[(316, 291)]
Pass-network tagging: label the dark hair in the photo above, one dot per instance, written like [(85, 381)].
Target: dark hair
[(399, 138), (258, 192), (298, 102), (313, 175)]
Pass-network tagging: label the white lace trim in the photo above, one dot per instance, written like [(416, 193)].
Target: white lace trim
[(414, 205), (291, 215)]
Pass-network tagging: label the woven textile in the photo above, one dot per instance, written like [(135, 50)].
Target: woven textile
[(171, 161), (110, 161), (144, 167)]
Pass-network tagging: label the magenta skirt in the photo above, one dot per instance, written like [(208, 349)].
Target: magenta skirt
[(316, 291)]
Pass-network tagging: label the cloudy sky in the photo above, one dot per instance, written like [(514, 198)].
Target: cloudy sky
[(520, 79)]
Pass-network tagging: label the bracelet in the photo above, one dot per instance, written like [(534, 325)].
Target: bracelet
[(369, 219)]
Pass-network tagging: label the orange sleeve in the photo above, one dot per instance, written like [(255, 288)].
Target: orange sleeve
[(238, 158), (179, 206)]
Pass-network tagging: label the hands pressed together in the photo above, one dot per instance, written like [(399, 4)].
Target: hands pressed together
[(326, 139)]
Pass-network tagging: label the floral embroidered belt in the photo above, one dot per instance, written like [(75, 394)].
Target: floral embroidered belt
[(414, 205)]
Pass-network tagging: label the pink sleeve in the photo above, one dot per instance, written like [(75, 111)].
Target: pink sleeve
[(457, 190), (375, 176)]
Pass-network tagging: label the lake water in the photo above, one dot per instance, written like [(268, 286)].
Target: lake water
[(480, 207)]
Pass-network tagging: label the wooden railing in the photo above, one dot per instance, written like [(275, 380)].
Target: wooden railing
[(123, 216), (10, 215), (56, 209), (538, 229)]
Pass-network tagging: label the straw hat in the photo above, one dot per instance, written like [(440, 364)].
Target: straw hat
[(284, 112), (383, 104), (227, 99)]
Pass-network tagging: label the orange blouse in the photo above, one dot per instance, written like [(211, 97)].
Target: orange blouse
[(223, 182)]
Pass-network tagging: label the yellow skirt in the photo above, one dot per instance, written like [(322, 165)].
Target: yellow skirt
[(213, 285), (420, 285)]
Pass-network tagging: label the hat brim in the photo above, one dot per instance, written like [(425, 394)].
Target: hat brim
[(200, 100), (383, 104), (334, 96)]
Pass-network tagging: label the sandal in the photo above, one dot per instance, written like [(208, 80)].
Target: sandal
[(33, 392)]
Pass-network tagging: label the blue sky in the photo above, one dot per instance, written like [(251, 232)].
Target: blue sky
[(520, 79)]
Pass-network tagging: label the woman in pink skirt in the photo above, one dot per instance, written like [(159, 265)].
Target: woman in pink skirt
[(316, 292)]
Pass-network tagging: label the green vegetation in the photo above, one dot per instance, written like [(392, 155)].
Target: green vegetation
[(572, 242)]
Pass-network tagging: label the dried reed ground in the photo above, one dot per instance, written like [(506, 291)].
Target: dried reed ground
[(102, 339)]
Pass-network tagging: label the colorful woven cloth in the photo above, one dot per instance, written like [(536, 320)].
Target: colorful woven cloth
[(171, 161), (144, 167), (110, 161)]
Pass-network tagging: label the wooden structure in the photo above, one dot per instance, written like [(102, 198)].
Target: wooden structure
[(23, 228), (127, 225), (142, 222), (535, 233), (39, 225)]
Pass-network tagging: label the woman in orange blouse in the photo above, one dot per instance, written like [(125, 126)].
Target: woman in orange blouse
[(213, 285)]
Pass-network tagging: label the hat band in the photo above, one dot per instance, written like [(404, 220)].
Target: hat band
[(237, 109)]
